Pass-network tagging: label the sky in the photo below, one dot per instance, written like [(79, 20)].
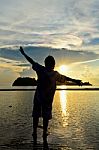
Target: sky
[(66, 29)]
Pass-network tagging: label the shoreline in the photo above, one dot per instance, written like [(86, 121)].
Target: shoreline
[(33, 89)]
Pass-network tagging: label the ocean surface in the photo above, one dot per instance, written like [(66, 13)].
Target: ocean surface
[(75, 121)]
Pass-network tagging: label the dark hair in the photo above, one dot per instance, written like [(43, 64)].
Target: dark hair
[(50, 62)]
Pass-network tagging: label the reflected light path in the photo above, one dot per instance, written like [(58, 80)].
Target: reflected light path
[(63, 102)]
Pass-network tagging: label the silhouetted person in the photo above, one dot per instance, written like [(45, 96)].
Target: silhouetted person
[(43, 98)]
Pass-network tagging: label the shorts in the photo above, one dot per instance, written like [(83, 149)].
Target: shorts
[(42, 111)]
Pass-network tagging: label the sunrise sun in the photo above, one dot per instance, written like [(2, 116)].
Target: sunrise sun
[(63, 69)]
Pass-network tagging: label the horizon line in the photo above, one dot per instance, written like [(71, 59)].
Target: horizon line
[(57, 89)]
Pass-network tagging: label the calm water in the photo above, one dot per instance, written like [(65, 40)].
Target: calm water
[(75, 120)]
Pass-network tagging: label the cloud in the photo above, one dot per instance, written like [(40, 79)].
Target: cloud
[(27, 72), (87, 62), (39, 54), (67, 29), (10, 53), (16, 64), (49, 23), (13, 65), (7, 76), (89, 71), (8, 61)]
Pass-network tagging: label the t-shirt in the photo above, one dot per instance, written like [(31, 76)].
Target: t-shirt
[(46, 83)]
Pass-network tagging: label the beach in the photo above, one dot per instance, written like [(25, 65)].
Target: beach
[(75, 122)]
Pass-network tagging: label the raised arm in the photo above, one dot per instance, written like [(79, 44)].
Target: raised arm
[(63, 78), (26, 56), (77, 81)]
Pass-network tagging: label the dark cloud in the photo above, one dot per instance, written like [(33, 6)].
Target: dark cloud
[(39, 54), (23, 65), (10, 53)]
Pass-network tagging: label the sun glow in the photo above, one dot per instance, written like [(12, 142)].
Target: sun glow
[(63, 69), (63, 102)]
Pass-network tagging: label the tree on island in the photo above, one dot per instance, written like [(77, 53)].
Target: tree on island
[(27, 81)]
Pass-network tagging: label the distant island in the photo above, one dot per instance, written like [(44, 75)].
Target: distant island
[(27, 81)]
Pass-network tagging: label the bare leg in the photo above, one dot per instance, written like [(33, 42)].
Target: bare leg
[(35, 125), (45, 128)]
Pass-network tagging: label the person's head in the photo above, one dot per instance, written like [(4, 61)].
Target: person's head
[(49, 62)]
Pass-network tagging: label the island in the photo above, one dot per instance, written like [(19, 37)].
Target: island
[(27, 81)]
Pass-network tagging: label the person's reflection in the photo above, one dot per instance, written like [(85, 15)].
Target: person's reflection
[(63, 102)]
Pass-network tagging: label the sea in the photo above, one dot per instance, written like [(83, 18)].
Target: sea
[(74, 125)]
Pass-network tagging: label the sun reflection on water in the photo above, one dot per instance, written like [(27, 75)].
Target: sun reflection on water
[(63, 102)]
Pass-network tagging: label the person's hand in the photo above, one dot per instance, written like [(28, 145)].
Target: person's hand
[(79, 82), (21, 50)]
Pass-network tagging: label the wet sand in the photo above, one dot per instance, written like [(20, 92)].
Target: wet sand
[(30, 146)]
